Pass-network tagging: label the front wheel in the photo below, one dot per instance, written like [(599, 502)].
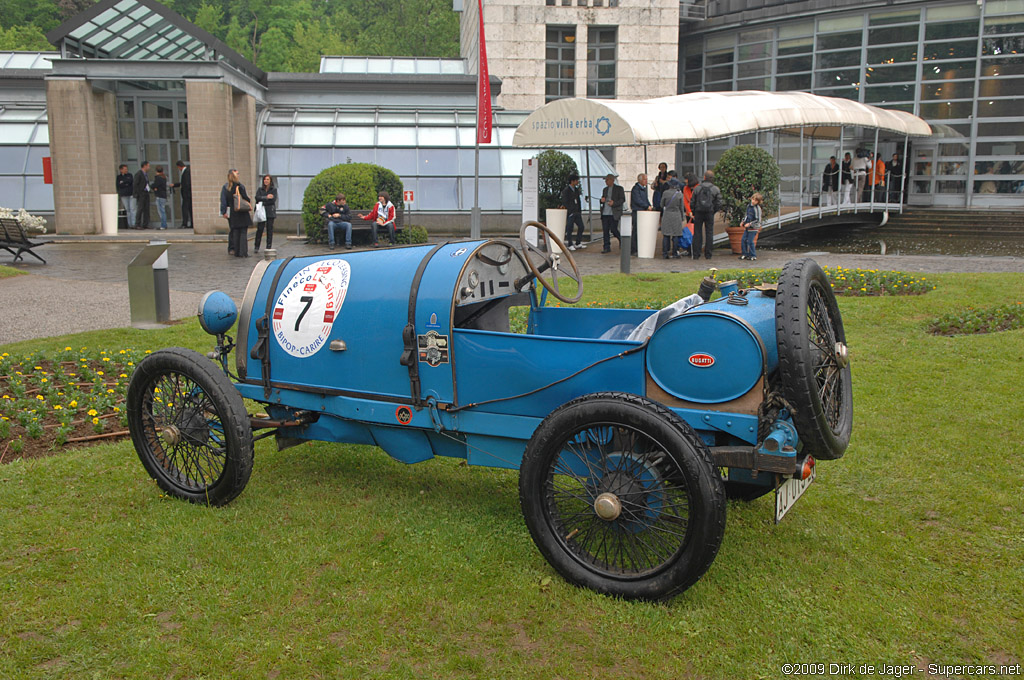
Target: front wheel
[(190, 427), (620, 496)]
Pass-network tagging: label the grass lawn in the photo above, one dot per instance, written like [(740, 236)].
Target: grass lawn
[(6, 271), (339, 562)]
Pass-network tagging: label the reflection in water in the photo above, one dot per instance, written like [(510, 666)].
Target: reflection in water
[(867, 241)]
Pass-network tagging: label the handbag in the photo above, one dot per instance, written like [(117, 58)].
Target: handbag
[(241, 205), (260, 213)]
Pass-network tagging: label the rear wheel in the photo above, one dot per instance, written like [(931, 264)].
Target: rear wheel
[(190, 427), (620, 496), (814, 368)]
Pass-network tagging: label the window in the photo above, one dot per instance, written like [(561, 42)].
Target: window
[(601, 61), (560, 70)]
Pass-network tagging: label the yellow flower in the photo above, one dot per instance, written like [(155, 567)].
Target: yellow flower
[(99, 372), (117, 410), (130, 363), (5, 354), (40, 397), (91, 412), (149, 351), (106, 358), (123, 375), (42, 380), (58, 407), (38, 368), (95, 421), (121, 352), (67, 349), (156, 390), (110, 391), (73, 403)]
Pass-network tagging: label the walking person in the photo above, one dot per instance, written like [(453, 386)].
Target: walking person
[(638, 202), (140, 193), (160, 192), (125, 188), (338, 217), (705, 202), (383, 215), (267, 195), (235, 207), (894, 169), (830, 181), (184, 187), (612, 199), (673, 209), (751, 226), (847, 178), (573, 212)]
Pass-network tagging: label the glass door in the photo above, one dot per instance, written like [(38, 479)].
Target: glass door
[(922, 174)]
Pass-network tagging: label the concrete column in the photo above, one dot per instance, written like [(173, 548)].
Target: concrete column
[(83, 144), (222, 135)]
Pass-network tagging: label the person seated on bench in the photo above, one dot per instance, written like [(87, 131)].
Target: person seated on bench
[(338, 216), (383, 215)]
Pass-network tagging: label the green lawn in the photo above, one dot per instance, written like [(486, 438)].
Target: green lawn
[(6, 271), (338, 562)]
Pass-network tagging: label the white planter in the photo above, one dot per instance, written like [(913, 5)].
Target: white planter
[(556, 224), (108, 214), (647, 222)]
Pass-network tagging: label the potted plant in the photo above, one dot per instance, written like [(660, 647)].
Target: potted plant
[(740, 172)]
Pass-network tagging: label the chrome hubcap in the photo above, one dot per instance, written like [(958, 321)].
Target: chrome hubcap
[(171, 434), (607, 506)]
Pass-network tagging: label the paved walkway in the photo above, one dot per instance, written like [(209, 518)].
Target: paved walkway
[(84, 285)]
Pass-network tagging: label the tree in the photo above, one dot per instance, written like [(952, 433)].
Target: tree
[(210, 18), (24, 38), (742, 171)]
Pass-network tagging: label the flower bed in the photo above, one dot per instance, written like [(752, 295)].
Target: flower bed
[(971, 321), (856, 282), (71, 398)]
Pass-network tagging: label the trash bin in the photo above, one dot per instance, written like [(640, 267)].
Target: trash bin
[(108, 214), (148, 292)]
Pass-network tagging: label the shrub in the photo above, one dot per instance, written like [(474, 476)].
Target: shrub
[(552, 176), (360, 183), (740, 172), (412, 233)]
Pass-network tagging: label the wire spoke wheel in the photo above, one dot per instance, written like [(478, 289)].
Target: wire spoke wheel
[(814, 367), (620, 496), (190, 427)]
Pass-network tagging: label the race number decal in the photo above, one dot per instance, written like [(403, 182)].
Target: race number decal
[(305, 311)]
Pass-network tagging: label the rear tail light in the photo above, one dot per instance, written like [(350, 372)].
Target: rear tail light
[(804, 467)]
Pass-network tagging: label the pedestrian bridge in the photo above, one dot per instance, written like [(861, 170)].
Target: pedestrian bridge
[(799, 218)]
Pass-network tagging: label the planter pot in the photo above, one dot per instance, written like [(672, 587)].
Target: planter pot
[(647, 233), (556, 218), (735, 239)]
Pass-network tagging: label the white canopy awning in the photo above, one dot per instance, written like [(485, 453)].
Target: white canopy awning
[(703, 116)]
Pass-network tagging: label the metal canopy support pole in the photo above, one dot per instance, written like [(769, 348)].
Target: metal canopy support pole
[(874, 164), (590, 205), (839, 199), (903, 173), (800, 210), (778, 147)]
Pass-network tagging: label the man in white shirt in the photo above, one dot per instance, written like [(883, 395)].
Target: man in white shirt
[(860, 173)]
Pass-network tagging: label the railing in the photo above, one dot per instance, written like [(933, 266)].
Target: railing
[(693, 10)]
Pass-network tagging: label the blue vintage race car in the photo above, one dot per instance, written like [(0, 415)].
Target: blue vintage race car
[(630, 429)]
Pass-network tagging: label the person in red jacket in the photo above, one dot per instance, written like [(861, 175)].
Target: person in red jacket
[(383, 215)]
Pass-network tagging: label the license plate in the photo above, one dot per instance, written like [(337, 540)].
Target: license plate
[(788, 492)]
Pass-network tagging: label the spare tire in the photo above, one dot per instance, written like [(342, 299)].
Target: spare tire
[(814, 368)]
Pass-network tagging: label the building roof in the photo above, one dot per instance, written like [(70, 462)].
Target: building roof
[(142, 30), (26, 61), (393, 65), (703, 116)]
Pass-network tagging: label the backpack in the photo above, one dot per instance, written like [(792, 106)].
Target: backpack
[(702, 199)]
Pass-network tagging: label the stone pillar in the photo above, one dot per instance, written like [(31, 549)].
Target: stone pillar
[(83, 144), (221, 136)]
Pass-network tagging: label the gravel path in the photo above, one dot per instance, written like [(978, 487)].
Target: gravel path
[(84, 286)]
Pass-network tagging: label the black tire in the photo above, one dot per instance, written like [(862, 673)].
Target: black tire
[(190, 427), (665, 535), (814, 374)]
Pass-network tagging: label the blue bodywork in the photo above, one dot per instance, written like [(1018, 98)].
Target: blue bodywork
[(410, 349)]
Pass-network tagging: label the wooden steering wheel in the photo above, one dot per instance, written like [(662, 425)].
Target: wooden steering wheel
[(548, 260)]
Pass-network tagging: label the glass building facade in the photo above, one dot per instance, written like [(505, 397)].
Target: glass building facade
[(958, 65), (24, 135)]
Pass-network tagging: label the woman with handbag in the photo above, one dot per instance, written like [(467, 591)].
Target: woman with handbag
[(265, 213), (235, 207)]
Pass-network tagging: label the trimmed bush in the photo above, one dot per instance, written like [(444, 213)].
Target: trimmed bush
[(552, 176), (742, 171), (411, 234), (360, 183)]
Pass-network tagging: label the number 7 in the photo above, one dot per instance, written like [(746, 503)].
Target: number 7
[(308, 299)]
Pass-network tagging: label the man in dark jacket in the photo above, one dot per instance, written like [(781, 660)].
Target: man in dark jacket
[(124, 192), (894, 169), (184, 187), (704, 203), (638, 201), (612, 199), (574, 212), (338, 217), (140, 192)]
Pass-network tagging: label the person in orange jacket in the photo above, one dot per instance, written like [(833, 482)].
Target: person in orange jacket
[(879, 181)]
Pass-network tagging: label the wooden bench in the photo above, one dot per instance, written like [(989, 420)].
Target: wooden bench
[(12, 235)]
